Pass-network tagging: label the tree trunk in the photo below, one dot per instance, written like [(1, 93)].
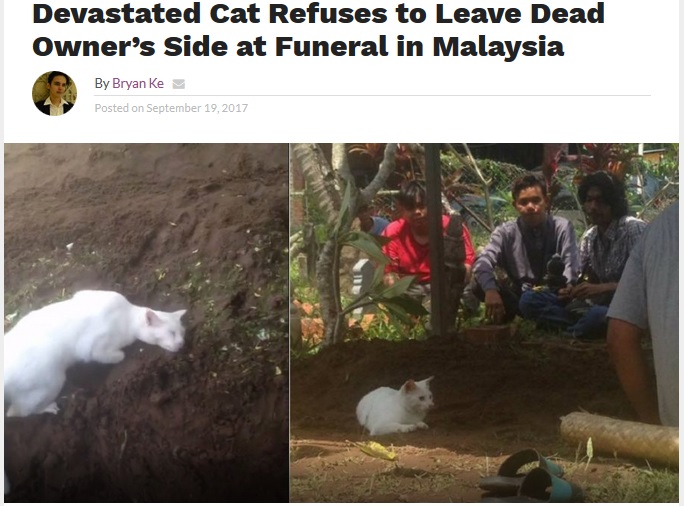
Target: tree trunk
[(325, 180), (328, 273)]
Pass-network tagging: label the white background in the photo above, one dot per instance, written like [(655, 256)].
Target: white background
[(618, 81)]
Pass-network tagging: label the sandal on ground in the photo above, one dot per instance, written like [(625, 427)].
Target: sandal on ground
[(541, 486), (508, 479)]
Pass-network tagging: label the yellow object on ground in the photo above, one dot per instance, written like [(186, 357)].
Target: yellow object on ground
[(376, 450)]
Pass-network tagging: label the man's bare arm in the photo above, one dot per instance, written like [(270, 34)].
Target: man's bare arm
[(624, 346)]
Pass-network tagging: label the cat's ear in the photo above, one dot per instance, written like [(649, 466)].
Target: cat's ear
[(427, 380), (151, 318), (179, 314), (409, 385)]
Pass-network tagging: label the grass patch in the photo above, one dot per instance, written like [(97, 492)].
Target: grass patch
[(382, 329), (636, 485), (344, 483), (48, 280)]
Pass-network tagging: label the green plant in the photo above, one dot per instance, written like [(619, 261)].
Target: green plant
[(381, 329), (337, 196), (315, 214), (615, 158), (393, 300), (197, 281), (668, 167)]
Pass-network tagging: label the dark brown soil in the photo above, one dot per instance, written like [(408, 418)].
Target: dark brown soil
[(202, 227), (489, 402)]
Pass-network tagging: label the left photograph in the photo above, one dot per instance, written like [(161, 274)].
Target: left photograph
[(146, 353)]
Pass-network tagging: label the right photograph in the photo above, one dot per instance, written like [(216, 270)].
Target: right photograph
[(484, 322)]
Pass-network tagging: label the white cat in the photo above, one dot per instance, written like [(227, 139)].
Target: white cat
[(92, 326), (386, 410)]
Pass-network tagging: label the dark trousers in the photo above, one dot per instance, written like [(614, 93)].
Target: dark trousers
[(508, 296)]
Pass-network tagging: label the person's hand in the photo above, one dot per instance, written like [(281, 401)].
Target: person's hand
[(494, 306), (586, 290), (565, 293)]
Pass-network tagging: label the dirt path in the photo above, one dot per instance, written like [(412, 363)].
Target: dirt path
[(202, 227)]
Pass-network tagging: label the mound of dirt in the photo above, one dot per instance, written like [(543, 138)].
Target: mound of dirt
[(202, 227), (489, 401)]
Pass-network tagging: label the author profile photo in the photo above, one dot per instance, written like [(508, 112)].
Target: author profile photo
[(54, 93)]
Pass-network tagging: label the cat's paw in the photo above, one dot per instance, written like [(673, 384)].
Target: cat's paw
[(52, 408), (14, 411), (422, 425), (109, 357), (407, 428)]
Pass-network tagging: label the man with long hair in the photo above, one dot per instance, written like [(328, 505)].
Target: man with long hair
[(603, 253)]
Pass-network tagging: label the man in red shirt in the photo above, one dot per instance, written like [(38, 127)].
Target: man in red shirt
[(408, 249)]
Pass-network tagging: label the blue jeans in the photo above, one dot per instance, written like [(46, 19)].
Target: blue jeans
[(591, 322), (546, 307)]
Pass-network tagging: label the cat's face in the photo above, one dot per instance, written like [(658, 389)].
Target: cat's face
[(417, 395), (164, 329)]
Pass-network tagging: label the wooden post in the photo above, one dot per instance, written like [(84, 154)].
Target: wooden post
[(433, 190)]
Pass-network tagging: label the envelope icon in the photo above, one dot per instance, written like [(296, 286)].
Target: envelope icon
[(179, 84)]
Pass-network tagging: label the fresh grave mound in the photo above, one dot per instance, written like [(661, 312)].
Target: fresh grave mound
[(202, 227), (197, 427), (490, 402), (478, 390)]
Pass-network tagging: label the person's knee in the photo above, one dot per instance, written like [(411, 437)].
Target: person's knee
[(599, 314), (475, 289), (532, 303), (529, 304), (469, 301), (596, 318)]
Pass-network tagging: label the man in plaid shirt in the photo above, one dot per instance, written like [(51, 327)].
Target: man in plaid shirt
[(604, 250)]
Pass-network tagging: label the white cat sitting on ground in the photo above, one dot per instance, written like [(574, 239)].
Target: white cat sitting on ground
[(92, 326), (386, 410)]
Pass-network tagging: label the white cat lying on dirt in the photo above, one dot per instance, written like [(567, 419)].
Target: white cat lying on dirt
[(92, 326), (385, 410)]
